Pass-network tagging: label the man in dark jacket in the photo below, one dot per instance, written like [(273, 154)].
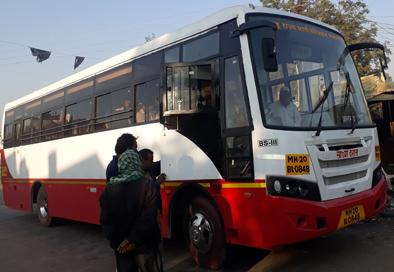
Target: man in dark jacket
[(128, 217)]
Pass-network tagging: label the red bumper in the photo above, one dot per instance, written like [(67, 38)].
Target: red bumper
[(295, 220)]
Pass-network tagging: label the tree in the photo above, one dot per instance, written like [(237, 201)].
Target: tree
[(349, 17)]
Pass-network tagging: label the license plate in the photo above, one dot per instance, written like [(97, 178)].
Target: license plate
[(351, 216)]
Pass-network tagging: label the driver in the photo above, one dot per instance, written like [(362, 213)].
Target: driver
[(284, 112)]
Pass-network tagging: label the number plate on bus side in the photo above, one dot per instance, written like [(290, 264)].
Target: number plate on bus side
[(351, 216), (297, 164)]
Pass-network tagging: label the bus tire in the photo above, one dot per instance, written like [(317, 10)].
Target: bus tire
[(42, 208), (207, 242)]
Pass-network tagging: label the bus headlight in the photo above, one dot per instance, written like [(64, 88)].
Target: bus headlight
[(277, 186), (291, 187)]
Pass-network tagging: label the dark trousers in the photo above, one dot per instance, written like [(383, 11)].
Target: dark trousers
[(125, 262)]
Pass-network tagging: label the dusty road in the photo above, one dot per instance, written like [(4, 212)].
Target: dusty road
[(73, 246)]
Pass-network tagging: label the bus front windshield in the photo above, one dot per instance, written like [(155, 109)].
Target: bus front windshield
[(312, 63)]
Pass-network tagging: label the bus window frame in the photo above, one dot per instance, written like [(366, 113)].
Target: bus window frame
[(214, 85)]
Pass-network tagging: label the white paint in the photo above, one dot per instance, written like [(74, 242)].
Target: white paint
[(87, 156)]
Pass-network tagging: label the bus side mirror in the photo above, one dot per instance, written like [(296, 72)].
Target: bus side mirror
[(269, 54), (370, 46)]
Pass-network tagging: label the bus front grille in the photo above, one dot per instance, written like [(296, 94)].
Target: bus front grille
[(344, 178), (340, 163)]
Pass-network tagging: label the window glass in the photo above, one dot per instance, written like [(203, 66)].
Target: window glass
[(178, 88), (114, 79), (236, 115), (190, 88), (26, 131), (8, 131), (9, 117), (171, 55), (147, 102), (51, 124), (122, 102), (78, 115), (238, 159), (309, 62), (201, 48), (36, 128), (299, 67), (36, 123), (275, 91), (299, 94), (103, 111), (52, 119), (317, 83), (19, 113), (81, 89), (26, 126), (147, 67), (32, 108), (276, 75), (17, 132), (53, 100)]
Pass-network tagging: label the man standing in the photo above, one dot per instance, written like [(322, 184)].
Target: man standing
[(129, 219)]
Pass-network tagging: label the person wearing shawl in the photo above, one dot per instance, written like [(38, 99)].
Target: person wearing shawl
[(129, 212)]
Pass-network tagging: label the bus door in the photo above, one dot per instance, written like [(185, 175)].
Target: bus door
[(191, 105), (236, 123)]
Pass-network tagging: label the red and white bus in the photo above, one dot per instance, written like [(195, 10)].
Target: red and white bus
[(238, 172)]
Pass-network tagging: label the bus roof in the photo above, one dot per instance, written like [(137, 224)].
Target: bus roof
[(158, 43)]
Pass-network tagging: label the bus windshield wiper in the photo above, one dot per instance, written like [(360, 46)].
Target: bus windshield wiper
[(324, 97), (349, 92), (321, 103)]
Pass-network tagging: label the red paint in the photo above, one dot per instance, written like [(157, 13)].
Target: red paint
[(265, 221), (345, 154)]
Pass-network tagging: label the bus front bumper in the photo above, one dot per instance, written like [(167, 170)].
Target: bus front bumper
[(294, 220)]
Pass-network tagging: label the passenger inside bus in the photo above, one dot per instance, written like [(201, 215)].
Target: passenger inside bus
[(284, 112), (205, 100)]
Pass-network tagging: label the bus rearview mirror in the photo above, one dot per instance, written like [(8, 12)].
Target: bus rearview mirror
[(269, 54)]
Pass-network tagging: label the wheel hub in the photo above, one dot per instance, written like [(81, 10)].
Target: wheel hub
[(200, 233), (44, 208)]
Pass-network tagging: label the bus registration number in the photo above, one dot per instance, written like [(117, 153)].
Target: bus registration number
[(351, 216), (297, 164)]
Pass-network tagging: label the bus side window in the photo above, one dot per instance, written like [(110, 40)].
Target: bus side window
[(52, 122), (17, 133), (26, 131), (122, 112), (36, 128), (190, 89), (103, 112), (147, 102), (235, 105), (77, 118)]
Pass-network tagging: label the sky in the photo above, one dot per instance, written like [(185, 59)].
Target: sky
[(99, 29)]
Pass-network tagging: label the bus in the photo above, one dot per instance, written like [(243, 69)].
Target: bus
[(207, 100)]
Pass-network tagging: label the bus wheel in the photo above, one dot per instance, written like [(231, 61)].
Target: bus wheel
[(206, 234), (42, 207)]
